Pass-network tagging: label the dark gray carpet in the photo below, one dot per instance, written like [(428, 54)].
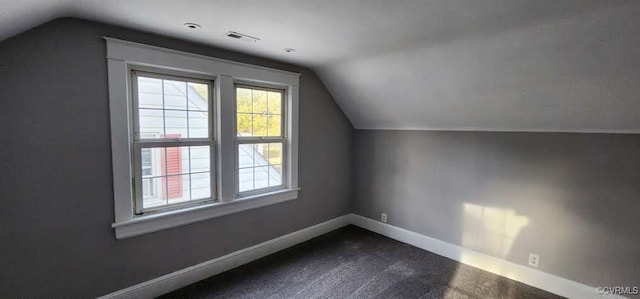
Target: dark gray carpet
[(355, 263)]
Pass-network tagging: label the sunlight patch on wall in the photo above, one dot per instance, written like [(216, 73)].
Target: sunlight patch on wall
[(491, 230)]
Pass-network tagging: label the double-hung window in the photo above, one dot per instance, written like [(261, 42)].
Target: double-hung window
[(260, 139), (172, 141), (196, 137)]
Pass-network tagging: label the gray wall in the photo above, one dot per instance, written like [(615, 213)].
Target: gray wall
[(573, 199), (56, 204)]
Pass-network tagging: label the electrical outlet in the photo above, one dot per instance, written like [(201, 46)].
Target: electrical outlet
[(383, 217), (534, 260)]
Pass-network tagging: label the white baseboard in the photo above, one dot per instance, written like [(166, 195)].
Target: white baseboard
[(172, 281), (186, 276), (551, 283)]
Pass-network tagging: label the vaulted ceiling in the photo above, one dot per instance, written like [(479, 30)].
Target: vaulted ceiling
[(496, 65)]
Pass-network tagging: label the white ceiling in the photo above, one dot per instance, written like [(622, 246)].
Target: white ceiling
[(507, 65)]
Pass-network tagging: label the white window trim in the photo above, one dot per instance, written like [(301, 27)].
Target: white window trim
[(122, 57)]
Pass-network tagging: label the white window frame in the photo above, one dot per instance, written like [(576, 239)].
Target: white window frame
[(139, 142), (267, 139), (125, 56)]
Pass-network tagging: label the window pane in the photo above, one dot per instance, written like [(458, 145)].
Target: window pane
[(275, 163), (274, 100), (200, 185), (261, 177), (153, 192), (275, 175), (178, 188), (147, 163), (149, 93), (243, 96), (275, 153), (198, 124), (274, 125), (176, 161), (245, 179), (151, 123), (200, 160), (260, 166), (175, 94), (185, 162), (245, 155), (261, 152), (245, 127), (198, 95), (175, 124), (169, 108), (259, 125), (259, 101), (153, 162)]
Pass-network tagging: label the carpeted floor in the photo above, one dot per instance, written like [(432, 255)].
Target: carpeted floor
[(355, 263)]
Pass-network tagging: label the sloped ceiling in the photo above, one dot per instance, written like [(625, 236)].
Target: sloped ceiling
[(496, 65)]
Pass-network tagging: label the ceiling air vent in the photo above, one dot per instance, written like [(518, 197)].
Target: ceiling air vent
[(242, 37)]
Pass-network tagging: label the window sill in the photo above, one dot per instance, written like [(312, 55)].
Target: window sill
[(156, 222)]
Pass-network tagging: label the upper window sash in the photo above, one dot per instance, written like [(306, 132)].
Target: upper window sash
[(187, 78), (251, 113)]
